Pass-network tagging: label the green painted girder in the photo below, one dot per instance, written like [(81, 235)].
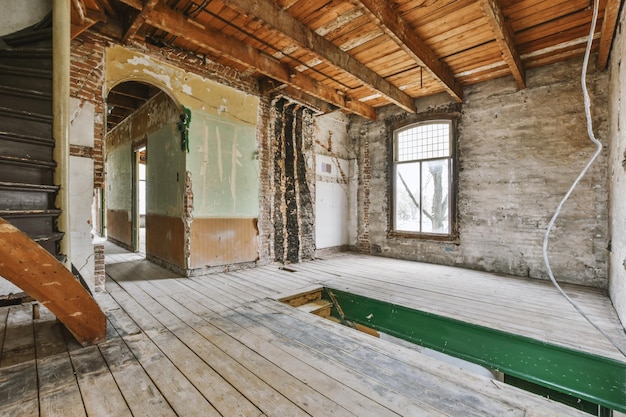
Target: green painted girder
[(590, 377)]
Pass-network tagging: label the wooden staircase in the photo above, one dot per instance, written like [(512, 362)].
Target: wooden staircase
[(27, 190), (29, 237)]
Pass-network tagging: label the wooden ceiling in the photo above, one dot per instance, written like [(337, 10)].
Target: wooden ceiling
[(358, 55)]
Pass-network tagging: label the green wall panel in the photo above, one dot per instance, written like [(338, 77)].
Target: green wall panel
[(224, 166)]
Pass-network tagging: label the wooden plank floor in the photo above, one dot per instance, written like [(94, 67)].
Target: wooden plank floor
[(220, 345)]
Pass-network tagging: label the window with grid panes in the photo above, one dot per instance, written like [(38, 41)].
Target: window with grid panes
[(423, 178)]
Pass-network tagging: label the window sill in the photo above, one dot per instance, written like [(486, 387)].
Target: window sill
[(425, 236)]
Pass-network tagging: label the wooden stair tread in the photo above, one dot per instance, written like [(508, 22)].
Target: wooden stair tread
[(33, 72), (27, 115), (4, 89), (29, 213), (45, 238), (26, 161), (25, 37), (18, 186), (26, 138), (35, 53)]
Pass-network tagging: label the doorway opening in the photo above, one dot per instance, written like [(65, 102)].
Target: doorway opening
[(139, 199)]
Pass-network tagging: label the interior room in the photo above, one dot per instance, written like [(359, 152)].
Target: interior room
[(312, 207)]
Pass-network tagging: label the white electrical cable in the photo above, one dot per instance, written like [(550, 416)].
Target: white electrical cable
[(580, 176)]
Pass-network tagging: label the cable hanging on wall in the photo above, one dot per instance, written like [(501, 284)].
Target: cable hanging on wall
[(577, 181)]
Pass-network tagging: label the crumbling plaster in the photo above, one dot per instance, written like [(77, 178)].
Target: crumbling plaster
[(518, 153), (335, 183)]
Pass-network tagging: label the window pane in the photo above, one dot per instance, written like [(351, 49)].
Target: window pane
[(423, 142), (407, 192), (435, 192)]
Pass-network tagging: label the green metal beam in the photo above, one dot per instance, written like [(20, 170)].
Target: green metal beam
[(593, 378)]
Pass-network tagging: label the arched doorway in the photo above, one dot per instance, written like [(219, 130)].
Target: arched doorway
[(145, 171)]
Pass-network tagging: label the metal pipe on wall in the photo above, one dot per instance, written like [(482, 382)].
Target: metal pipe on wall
[(61, 25)]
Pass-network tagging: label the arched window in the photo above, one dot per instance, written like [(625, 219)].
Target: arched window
[(423, 179)]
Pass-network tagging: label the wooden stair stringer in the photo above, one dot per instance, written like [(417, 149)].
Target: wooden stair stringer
[(33, 269)]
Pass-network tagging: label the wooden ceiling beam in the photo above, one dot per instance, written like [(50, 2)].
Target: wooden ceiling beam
[(89, 19), (273, 15), (611, 14), (139, 20), (79, 8), (397, 29), (166, 19), (109, 8), (504, 38), (125, 102)]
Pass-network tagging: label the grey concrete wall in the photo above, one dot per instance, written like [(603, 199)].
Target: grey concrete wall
[(518, 153), (617, 170)]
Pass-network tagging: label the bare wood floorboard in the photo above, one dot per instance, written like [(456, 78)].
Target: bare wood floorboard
[(522, 306), (221, 345)]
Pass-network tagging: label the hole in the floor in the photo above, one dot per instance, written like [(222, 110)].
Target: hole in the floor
[(532, 365)]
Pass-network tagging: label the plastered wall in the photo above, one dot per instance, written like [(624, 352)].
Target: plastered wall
[(617, 170), (214, 202), (81, 188), (518, 153), (153, 126), (334, 182)]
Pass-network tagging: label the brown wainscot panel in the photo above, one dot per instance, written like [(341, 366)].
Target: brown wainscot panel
[(219, 241), (165, 238), (120, 226)]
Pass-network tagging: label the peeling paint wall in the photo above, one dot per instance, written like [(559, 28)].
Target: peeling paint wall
[(188, 89), (334, 183), (617, 169), (119, 201), (518, 153), (155, 124), (221, 170), (223, 158), (81, 189)]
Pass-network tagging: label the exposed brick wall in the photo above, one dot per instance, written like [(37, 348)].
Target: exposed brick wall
[(81, 151), (266, 181), (518, 153), (199, 65), (293, 181), (99, 273), (86, 82), (188, 217), (365, 175)]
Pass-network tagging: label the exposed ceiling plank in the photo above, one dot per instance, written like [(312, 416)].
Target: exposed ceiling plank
[(397, 29), (611, 13), (122, 101), (307, 100), (79, 7), (109, 8), (76, 30), (270, 13), (177, 24), (91, 18), (139, 20), (504, 37)]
